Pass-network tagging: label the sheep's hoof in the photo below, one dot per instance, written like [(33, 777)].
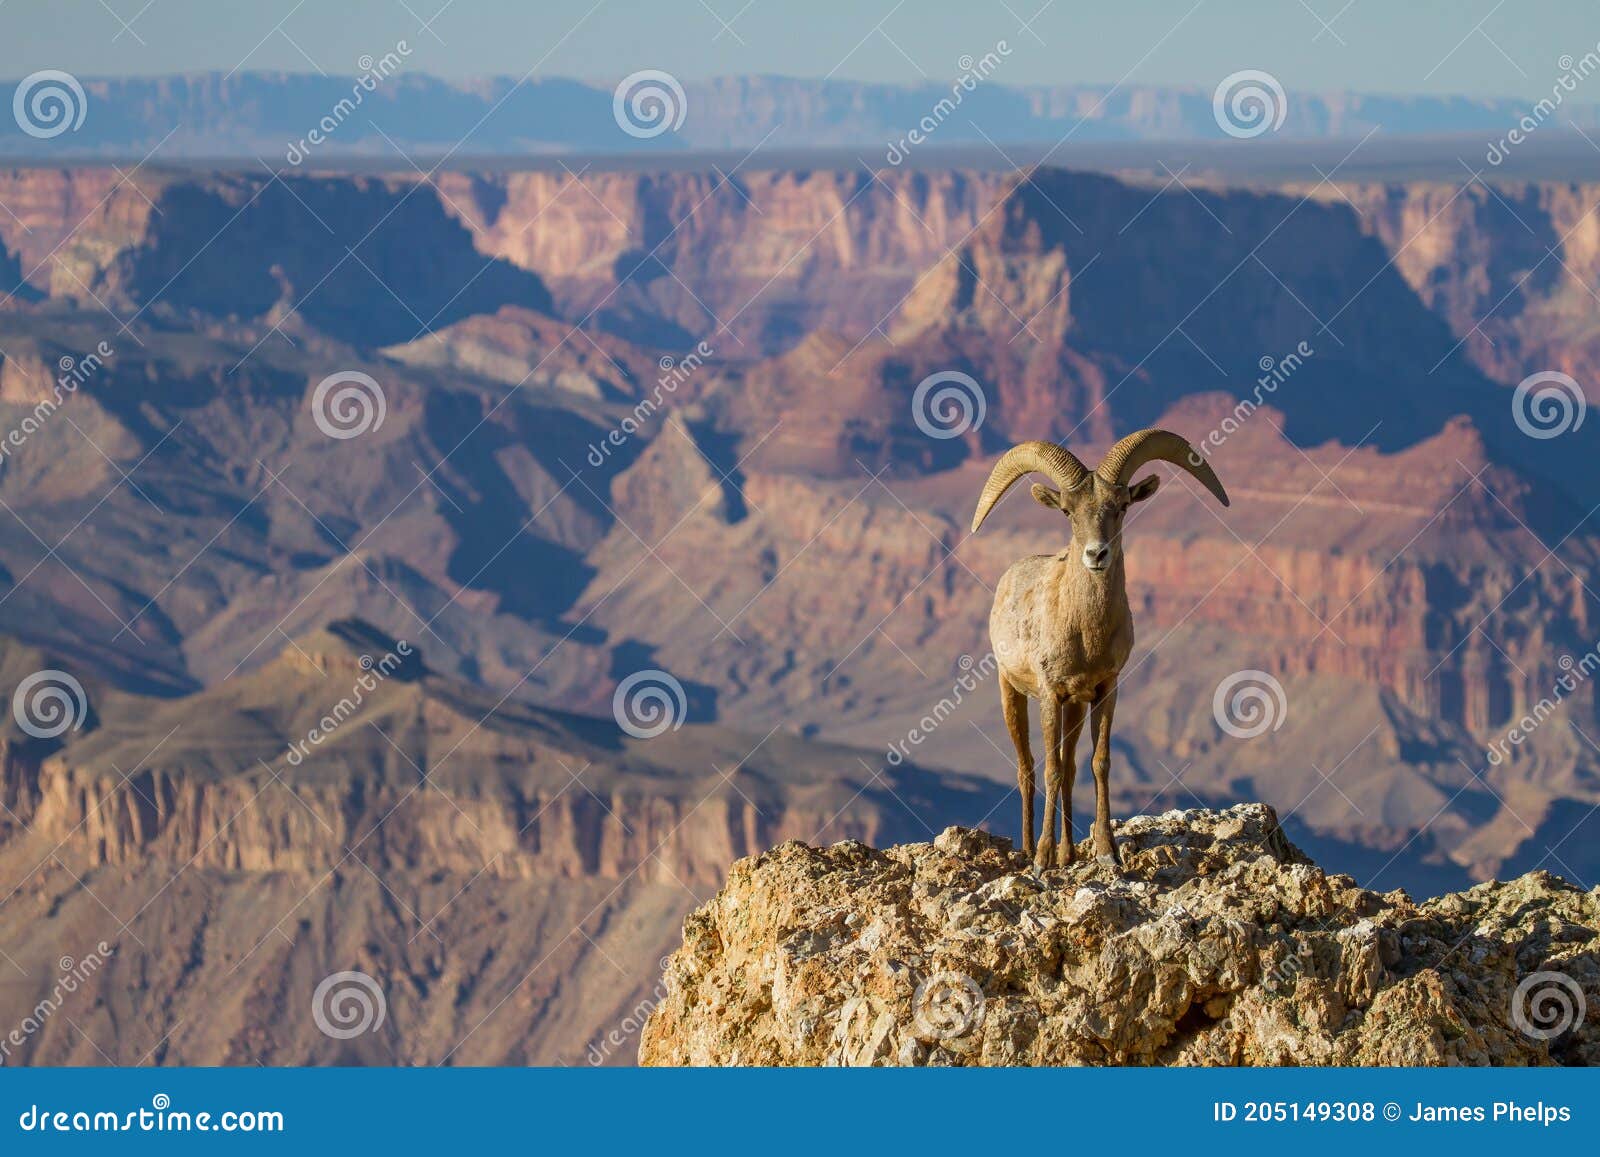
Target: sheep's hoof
[(1066, 854), (1111, 858), (1045, 858)]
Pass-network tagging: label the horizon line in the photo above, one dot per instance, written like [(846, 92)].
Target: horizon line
[(603, 83)]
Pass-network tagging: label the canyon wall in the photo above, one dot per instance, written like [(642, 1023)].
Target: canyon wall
[(258, 825), (1432, 571)]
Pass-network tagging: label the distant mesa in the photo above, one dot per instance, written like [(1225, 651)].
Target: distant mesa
[(256, 114)]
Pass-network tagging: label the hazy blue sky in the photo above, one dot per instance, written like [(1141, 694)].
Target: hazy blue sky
[(1480, 47)]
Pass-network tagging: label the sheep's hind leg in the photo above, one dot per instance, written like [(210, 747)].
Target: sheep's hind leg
[(1104, 707), (1071, 725), (1050, 721), (1014, 704)]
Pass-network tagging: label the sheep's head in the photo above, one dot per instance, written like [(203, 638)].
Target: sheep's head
[(1095, 501), (1095, 510)]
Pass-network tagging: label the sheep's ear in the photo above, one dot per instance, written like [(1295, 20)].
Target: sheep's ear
[(1143, 488), (1044, 496)]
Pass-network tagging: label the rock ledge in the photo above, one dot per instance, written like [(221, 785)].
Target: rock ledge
[(1218, 943)]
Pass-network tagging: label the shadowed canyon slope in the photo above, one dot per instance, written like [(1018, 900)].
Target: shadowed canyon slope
[(639, 421)]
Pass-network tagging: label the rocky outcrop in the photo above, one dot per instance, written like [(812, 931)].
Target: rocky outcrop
[(1217, 943)]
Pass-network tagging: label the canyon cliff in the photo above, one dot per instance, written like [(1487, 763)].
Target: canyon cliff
[(1412, 569)]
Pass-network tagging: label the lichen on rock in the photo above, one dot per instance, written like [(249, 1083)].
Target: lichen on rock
[(1217, 943)]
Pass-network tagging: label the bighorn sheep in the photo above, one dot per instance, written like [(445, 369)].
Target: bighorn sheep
[(1061, 627)]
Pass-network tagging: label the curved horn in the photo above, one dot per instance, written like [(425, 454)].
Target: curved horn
[(1058, 463), (1136, 449)]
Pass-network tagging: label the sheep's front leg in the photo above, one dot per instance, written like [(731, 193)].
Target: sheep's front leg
[(1014, 704), (1104, 707), (1071, 725), (1050, 721)]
